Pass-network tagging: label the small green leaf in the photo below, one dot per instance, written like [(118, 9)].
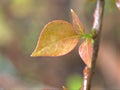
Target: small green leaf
[(57, 38), (85, 51), (77, 23)]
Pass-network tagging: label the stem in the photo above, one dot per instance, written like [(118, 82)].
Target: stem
[(97, 25)]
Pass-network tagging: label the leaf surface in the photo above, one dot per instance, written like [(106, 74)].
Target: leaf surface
[(85, 51), (57, 38), (77, 23)]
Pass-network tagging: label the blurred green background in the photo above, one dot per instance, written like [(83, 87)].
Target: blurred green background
[(21, 22)]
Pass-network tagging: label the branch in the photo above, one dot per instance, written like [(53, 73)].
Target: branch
[(97, 25)]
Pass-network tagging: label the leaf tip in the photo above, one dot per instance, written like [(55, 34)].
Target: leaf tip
[(71, 10), (77, 23), (33, 54)]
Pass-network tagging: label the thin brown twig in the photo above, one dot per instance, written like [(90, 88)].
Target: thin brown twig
[(97, 25)]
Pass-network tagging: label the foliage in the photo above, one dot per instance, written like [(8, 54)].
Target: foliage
[(85, 51), (57, 38), (60, 37)]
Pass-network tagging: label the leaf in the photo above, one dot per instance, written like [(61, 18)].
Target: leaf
[(57, 38), (118, 4), (77, 23), (85, 51)]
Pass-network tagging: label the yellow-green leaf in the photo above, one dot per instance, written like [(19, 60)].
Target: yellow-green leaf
[(85, 51), (57, 38), (77, 23)]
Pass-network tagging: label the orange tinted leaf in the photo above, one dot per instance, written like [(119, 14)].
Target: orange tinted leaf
[(118, 4), (77, 23), (57, 38), (85, 51)]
